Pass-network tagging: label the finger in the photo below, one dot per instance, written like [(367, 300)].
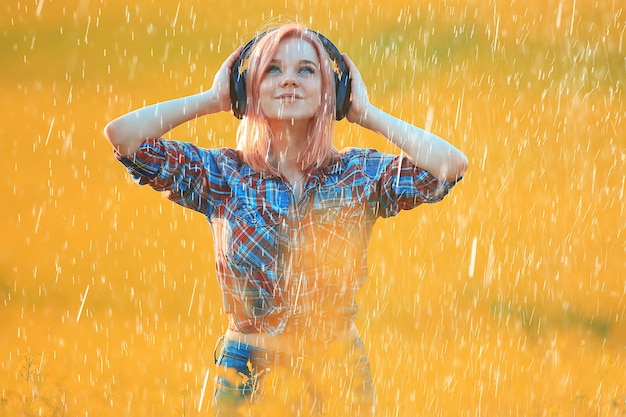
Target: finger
[(351, 65), (232, 58), (235, 54)]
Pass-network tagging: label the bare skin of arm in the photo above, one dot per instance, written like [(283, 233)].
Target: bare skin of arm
[(129, 131), (425, 149)]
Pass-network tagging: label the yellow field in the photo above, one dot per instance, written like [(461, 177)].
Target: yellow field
[(506, 299)]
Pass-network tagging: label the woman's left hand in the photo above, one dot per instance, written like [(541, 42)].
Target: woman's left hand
[(360, 101)]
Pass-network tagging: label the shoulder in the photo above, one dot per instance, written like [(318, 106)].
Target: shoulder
[(190, 152), (216, 161), (355, 156), (228, 156), (368, 160)]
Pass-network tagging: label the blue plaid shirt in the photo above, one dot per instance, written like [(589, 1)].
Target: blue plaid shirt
[(279, 260)]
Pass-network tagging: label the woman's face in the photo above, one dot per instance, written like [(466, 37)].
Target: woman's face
[(291, 88)]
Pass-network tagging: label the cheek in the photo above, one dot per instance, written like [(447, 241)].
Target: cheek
[(266, 92), (267, 86)]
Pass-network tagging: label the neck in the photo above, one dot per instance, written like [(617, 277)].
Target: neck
[(288, 142)]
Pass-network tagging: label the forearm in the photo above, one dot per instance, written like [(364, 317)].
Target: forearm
[(426, 150), (129, 131)]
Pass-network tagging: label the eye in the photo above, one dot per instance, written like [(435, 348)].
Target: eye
[(273, 69), (307, 69)]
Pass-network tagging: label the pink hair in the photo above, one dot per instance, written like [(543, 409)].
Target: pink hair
[(254, 135)]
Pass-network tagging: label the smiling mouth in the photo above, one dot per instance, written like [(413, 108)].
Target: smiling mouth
[(289, 98)]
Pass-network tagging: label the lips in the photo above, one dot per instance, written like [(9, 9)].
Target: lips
[(289, 97)]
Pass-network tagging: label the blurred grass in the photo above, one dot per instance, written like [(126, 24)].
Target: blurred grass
[(533, 93)]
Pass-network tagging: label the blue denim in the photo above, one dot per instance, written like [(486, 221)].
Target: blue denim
[(258, 382)]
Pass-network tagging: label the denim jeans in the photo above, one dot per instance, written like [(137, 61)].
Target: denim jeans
[(256, 382)]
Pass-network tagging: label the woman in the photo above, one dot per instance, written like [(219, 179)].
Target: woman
[(291, 216)]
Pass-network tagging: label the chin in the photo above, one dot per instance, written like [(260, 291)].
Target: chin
[(292, 116)]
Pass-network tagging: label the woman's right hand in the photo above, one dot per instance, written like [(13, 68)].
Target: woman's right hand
[(221, 83)]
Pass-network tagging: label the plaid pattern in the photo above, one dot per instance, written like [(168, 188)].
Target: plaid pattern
[(278, 260)]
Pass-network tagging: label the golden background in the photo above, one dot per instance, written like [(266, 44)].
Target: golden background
[(506, 299)]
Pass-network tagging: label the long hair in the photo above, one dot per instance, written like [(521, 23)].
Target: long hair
[(254, 135)]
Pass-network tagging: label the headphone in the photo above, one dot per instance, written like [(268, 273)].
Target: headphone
[(342, 77)]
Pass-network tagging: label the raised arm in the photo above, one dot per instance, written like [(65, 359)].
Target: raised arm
[(129, 131), (425, 149)]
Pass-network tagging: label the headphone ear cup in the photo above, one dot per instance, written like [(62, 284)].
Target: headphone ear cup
[(342, 77), (238, 98), (343, 97)]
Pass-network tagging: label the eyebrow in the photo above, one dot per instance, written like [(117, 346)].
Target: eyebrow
[(302, 61)]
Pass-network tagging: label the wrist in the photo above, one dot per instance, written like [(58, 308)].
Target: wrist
[(368, 117), (209, 102)]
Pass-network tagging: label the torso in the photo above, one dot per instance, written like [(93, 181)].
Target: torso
[(254, 219)]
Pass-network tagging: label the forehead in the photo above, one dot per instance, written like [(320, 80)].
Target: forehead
[(296, 48)]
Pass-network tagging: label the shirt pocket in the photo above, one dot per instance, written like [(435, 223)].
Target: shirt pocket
[(335, 215), (253, 241), (337, 235), (335, 208)]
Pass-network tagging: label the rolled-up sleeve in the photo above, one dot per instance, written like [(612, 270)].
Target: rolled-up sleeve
[(190, 176), (400, 185)]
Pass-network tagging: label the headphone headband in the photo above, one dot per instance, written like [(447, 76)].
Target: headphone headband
[(238, 97)]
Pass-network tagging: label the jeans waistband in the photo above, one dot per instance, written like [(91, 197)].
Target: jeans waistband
[(245, 352)]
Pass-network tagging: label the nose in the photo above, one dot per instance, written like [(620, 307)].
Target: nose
[(289, 79)]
